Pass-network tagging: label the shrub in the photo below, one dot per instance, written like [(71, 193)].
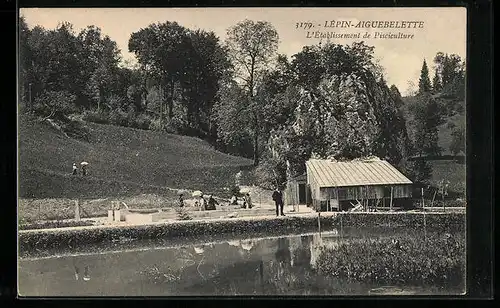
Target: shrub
[(100, 117), (182, 213), (118, 117), (269, 173), (54, 224), (142, 121), (54, 104)]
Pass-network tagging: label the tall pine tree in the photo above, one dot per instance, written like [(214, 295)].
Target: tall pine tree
[(436, 83), (424, 83)]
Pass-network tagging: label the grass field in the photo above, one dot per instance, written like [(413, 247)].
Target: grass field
[(445, 131), (123, 162)]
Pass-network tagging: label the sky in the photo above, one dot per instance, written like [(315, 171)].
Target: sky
[(442, 29)]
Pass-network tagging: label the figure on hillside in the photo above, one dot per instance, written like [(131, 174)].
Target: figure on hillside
[(75, 169), (84, 167), (278, 201), (211, 203), (181, 200)]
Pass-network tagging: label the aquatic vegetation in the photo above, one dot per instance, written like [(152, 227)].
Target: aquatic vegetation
[(438, 259)]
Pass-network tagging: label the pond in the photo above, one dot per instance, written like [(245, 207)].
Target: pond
[(279, 265)]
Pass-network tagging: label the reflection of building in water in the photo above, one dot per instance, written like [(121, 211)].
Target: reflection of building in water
[(318, 243)]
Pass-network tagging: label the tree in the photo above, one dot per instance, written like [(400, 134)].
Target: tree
[(100, 57), (426, 120), (251, 46), (436, 83), (162, 50), (25, 58), (451, 71), (206, 67), (424, 83)]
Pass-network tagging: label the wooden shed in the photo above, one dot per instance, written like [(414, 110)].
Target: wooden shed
[(372, 183), (296, 192)]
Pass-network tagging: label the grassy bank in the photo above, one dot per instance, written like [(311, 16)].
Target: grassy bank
[(63, 238), (122, 162), (438, 259)]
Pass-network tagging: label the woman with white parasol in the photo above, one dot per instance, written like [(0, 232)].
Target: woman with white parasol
[(200, 200), (84, 167)]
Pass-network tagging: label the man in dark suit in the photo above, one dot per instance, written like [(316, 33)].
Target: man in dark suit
[(278, 201)]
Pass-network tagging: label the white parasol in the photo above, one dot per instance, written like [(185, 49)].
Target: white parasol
[(197, 193), (84, 163), (244, 190), (181, 192)]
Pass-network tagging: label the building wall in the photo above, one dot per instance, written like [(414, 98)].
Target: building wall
[(364, 192), (291, 194)]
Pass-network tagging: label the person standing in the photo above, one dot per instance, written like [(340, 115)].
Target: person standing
[(75, 169), (211, 203), (248, 201), (278, 201), (181, 200), (84, 170)]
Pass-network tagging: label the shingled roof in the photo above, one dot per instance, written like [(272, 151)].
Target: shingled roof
[(331, 173)]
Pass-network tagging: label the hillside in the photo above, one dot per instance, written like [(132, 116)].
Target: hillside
[(122, 162)]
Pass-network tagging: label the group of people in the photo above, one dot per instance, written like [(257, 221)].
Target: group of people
[(209, 205), (83, 170), (247, 202)]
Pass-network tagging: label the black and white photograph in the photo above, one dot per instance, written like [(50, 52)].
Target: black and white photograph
[(241, 152)]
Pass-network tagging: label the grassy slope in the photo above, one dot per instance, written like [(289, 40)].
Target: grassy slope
[(122, 162)]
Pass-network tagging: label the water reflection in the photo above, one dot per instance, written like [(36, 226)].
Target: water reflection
[(282, 266)]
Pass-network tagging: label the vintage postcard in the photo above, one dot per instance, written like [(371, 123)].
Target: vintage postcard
[(241, 151)]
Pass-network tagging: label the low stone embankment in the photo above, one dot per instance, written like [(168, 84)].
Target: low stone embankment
[(49, 239)]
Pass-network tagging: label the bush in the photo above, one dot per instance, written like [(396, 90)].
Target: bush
[(269, 173), (54, 104), (100, 117), (142, 121), (437, 260), (54, 224), (182, 213), (118, 117)]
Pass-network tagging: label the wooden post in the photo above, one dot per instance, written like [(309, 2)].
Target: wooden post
[(444, 209), (341, 228), (423, 202), (425, 227), (77, 210), (319, 223), (390, 204), (433, 198)]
